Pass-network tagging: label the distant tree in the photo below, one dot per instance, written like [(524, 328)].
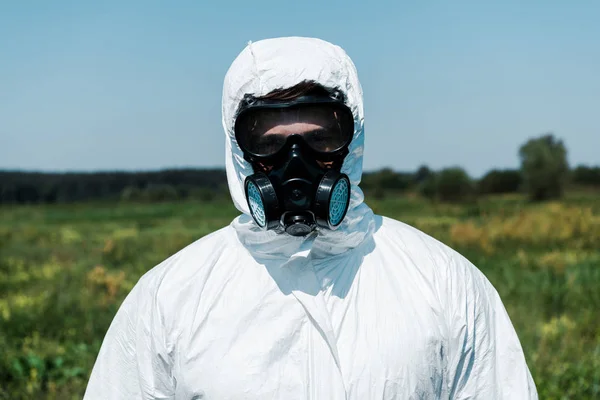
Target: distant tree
[(544, 167), (584, 175), (500, 181), (422, 174)]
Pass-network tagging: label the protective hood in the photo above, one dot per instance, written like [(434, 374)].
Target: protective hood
[(271, 64)]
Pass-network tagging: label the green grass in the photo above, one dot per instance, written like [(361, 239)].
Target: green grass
[(64, 270)]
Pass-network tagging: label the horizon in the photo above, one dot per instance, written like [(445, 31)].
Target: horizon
[(222, 168)]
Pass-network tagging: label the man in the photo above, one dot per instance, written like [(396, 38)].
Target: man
[(308, 294)]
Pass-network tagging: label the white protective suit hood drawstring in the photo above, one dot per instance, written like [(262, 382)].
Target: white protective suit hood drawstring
[(280, 63)]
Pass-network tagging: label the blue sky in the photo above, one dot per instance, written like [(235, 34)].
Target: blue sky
[(137, 85)]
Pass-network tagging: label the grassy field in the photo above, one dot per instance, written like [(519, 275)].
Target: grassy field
[(65, 269)]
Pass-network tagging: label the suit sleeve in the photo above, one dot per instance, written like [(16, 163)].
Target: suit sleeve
[(134, 361), (486, 360)]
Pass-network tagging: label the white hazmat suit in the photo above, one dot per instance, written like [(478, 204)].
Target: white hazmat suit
[(373, 310)]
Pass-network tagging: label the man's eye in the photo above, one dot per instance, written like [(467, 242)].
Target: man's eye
[(269, 140), (269, 144), (318, 136)]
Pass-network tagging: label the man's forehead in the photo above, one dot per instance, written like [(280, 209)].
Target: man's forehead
[(323, 115), (298, 128)]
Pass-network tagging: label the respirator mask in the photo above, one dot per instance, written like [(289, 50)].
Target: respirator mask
[(296, 149)]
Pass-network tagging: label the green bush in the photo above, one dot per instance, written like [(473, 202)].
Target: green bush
[(448, 185), (378, 184), (386, 179), (428, 188), (584, 175), (454, 184), (500, 181)]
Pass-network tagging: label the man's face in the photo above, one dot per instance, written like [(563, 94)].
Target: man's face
[(318, 126)]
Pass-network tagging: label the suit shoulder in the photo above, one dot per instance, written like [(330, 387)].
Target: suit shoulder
[(412, 240), (424, 251), (189, 260)]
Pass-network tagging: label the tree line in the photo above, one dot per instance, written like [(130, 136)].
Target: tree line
[(544, 174), (18, 187)]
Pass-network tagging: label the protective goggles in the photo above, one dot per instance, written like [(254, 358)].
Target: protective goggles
[(263, 127)]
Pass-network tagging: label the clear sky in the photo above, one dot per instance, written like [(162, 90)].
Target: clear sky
[(133, 85)]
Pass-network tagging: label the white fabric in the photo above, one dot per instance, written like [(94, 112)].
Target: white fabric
[(374, 310)]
